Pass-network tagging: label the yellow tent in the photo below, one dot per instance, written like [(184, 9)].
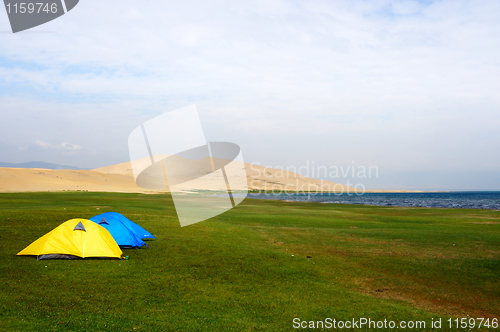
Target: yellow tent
[(77, 237)]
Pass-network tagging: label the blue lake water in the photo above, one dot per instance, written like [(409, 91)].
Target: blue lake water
[(464, 199)]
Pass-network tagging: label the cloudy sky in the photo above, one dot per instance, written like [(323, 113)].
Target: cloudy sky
[(411, 87)]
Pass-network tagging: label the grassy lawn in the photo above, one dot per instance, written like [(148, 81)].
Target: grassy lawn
[(248, 269)]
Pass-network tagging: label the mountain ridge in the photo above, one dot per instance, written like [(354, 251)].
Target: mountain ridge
[(40, 164)]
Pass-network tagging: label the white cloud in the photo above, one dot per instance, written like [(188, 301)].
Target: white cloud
[(64, 146), (70, 146), (42, 144)]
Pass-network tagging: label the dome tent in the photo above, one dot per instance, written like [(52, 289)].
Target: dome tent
[(75, 238), (138, 230), (124, 237)]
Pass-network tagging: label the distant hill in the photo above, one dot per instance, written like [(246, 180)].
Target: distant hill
[(39, 164)]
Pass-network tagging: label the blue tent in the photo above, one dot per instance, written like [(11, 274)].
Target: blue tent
[(138, 230), (124, 237)]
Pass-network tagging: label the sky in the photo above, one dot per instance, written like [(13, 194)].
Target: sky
[(409, 87)]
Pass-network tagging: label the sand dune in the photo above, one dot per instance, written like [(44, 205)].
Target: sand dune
[(258, 178), (119, 178), (37, 179)]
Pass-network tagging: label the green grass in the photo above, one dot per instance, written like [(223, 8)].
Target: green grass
[(236, 272)]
